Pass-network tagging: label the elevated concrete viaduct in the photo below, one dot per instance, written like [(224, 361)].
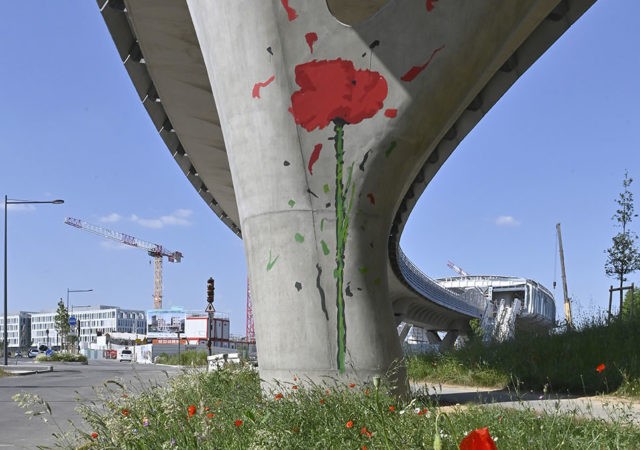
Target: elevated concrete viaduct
[(311, 128)]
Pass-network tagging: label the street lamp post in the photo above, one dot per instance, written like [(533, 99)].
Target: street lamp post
[(6, 318), (75, 290)]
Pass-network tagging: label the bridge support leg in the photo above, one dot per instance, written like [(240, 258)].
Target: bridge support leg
[(449, 340)]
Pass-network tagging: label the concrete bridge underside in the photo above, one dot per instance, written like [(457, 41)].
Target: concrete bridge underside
[(312, 139)]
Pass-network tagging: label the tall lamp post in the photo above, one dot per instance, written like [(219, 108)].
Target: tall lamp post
[(6, 318), (72, 291), (75, 290)]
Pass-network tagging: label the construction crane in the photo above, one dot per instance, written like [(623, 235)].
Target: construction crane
[(457, 269), (155, 250)]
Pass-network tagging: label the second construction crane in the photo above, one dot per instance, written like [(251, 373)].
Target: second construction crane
[(155, 250)]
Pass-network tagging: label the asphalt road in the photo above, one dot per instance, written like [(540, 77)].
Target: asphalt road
[(63, 389)]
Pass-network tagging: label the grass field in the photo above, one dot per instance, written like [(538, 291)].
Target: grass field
[(228, 410)]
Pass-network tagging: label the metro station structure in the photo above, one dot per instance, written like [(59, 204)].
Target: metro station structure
[(310, 128)]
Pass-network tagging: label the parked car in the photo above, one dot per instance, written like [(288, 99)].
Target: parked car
[(33, 352), (126, 355)]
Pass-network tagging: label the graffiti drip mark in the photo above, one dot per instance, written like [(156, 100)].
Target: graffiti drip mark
[(314, 157), (299, 238), (374, 44), (388, 151), (347, 290), (311, 39), (286, 163), (326, 188), (322, 224), (363, 270), (271, 262), (371, 198), (327, 205), (298, 286), (323, 304), (291, 13), (364, 160), (364, 54), (270, 51), (430, 5), (325, 248), (292, 203), (415, 70), (391, 113), (256, 87), (309, 191)]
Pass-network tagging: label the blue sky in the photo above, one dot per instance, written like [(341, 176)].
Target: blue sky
[(554, 149)]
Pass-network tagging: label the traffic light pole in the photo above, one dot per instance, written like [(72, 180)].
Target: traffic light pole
[(210, 310)]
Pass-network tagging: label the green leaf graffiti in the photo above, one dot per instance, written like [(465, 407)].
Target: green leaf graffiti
[(271, 262)]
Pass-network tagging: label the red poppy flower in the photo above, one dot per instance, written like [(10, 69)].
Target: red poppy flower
[(210, 415), (191, 410), (278, 396), (479, 439), (600, 368), (94, 435), (294, 387), (334, 89), (365, 432), (392, 408), (238, 423), (349, 424), (125, 412), (352, 385), (322, 401)]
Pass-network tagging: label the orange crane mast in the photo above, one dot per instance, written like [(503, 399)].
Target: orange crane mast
[(157, 251)]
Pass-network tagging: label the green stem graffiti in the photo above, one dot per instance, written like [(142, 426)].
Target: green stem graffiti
[(342, 225)]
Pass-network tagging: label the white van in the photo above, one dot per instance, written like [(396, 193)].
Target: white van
[(126, 355)]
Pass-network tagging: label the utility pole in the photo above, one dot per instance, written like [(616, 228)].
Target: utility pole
[(565, 290)]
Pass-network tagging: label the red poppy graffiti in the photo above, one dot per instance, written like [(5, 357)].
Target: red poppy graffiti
[(255, 93), (335, 91), (311, 39), (415, 70), (391, 113), (430, 5), (314, 157), (291, 13)]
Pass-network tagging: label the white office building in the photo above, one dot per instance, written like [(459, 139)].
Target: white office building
[(91, 321), (18, 330)]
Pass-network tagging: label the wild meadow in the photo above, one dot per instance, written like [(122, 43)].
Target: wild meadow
[(227, 409)]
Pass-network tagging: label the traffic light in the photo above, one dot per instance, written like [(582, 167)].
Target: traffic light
[(210, 289)]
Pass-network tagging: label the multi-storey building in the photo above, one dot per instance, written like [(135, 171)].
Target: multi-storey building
[(18, 330), (91, 321)]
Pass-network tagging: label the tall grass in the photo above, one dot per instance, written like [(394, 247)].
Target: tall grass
[(227, 410), (566, 361), (186, 358)]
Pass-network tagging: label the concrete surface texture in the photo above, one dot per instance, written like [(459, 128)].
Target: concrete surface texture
[(327, 126)]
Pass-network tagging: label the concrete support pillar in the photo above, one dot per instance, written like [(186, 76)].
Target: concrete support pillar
[(325, 126), (449, 340)]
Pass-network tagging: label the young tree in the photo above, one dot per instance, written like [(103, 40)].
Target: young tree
[(631, 305), (623, 257), (61, 320)]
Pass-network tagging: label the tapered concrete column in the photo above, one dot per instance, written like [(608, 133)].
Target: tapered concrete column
[(325, 127)]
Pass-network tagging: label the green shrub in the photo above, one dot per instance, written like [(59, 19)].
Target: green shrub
[(566, 361)]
